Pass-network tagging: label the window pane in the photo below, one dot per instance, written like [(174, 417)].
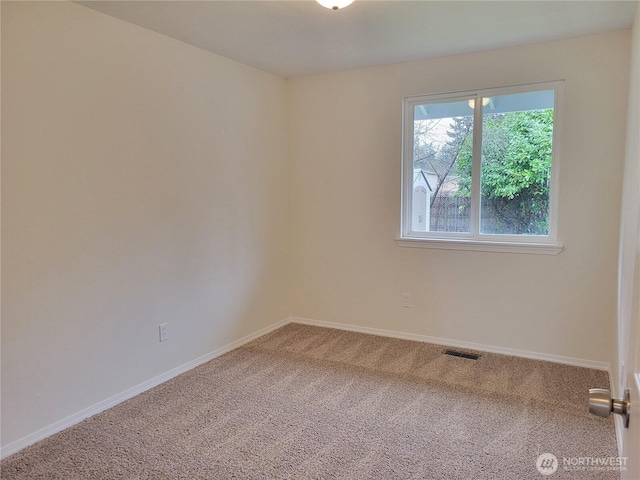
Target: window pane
[(442, 151), (517, 138)]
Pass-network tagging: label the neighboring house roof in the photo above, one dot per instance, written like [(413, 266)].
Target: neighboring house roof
[(448, 188)]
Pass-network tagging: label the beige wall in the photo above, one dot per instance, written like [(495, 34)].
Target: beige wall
[(346, 146), (143, 181)]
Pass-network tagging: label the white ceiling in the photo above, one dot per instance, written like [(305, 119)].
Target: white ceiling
[(294, 38)]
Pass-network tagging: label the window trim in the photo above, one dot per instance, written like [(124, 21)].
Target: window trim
[(474, 240)]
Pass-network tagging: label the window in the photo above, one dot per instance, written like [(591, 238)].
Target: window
[(480, 170)]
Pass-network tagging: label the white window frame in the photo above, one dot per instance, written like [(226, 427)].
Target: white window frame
[(532, 244)]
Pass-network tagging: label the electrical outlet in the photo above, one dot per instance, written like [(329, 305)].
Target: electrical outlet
[(406, 300), (163, 330)]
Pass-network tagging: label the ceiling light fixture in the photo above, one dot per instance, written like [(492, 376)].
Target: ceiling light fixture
[(472, 102), (335, 4)]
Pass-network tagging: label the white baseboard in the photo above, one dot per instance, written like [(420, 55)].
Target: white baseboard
[(71, 420), (578, 362)]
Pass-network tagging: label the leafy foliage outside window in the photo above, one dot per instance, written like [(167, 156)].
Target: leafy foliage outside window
[(515, 172)]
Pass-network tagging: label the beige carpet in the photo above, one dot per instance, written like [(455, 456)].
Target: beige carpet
[(313, 403)]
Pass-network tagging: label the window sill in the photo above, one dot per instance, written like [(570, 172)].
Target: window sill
[(482, 246)]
